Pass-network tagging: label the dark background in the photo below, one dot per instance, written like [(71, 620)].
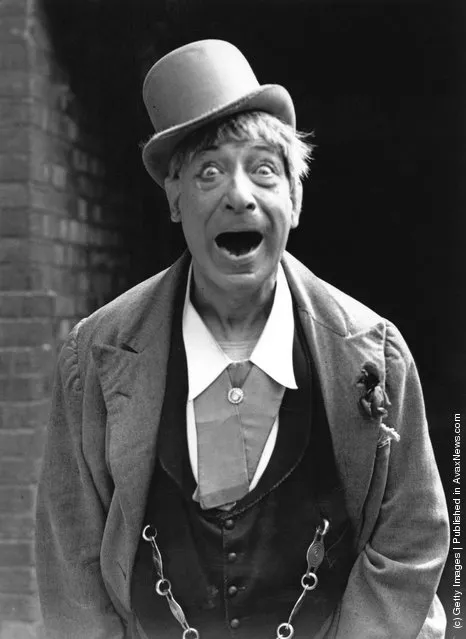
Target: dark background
[(382, 85)]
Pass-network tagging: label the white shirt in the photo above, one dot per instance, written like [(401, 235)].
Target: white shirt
[(273, 353)]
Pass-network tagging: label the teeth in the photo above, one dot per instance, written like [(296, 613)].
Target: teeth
[(239, 242)]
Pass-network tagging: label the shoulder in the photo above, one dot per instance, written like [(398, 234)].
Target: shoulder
[(126, 320), (326, 304), (346, 316)]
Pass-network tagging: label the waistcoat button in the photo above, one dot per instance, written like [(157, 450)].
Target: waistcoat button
[(232, 590), (235, 623), (232, 557), (229, 524)]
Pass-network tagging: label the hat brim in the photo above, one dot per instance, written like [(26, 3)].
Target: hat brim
[(271, 98)]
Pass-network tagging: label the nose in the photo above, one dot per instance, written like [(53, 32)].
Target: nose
[(239, 197)]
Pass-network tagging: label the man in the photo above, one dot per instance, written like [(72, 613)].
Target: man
[(236, 448)]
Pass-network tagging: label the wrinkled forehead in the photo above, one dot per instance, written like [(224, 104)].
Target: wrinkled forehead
[(228, 135), (232, 147)]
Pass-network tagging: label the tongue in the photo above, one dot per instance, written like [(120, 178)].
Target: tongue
[(239, 243)]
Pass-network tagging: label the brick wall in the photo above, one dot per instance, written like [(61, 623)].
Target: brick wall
[(61, 256)]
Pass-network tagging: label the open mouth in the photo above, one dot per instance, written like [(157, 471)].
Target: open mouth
[(239, 242)]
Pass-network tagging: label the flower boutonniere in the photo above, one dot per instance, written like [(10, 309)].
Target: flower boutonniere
[(373, 401)]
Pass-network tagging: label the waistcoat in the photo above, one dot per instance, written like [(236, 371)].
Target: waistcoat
[(238, 573)]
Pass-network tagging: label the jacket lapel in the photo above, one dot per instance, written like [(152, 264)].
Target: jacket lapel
[(132, 375), (339, 354)]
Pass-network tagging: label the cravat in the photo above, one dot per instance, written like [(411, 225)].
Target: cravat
[(234, 416)]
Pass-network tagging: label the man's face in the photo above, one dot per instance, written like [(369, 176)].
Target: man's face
[(234, 203)]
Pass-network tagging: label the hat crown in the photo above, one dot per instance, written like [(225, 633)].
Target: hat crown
[(195, 79)]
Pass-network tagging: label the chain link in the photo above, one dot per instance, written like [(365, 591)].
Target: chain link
[(163, 586), (314, 556), (309, 581)]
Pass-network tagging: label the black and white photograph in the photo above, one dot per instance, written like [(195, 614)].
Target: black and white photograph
[(232, 295)]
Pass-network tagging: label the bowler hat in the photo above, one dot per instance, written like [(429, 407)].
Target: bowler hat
[(195, 84)]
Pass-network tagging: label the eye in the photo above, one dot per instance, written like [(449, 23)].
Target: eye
[(265, 169), (208, 172)]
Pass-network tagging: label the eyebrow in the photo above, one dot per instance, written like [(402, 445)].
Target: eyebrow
[(259, 146), (211, 147), (263, 146)]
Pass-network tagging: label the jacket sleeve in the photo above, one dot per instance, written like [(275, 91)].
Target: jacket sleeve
[(70, 521), (391, 589)]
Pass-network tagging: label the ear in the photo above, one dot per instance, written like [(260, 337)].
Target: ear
[(173, 192), (296, 201)]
